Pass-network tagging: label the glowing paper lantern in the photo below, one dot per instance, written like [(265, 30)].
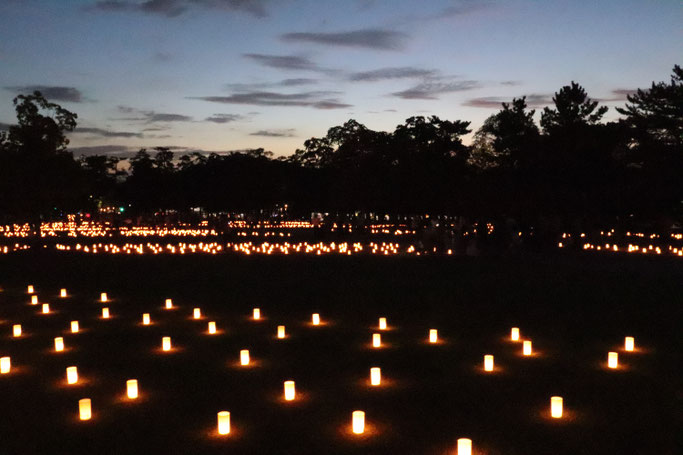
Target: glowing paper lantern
[(62, 292), (169, 304), (556, 407), (629, 344), (5, 365), (71, 375), (358, 422), (382, 323), (488, 363), (84, 409), (132, 388), (29, 289), (244, 357), (257, 313), (74, 327), (212, 327), (34, 300), (145, 319), (433, 335), (46, 308), (224, 422), (316, 319), (526, 348), (375, 376), (376, 340), (16, 330), (612, 360), (105, 313), (464, 446), (197, 313), (59, 344), (514, 334), (166, 343), (290, 391), (281, 331), (103, 297)]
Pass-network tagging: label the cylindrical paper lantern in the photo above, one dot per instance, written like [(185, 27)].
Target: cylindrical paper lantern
[(212, 327), (244, 357), (166, 343), (71, 375), (281, 331), (74, 327), (62, 292), (433, 335), (257, 313), (197, 313), (375, 376), (464, 446), (629, 344), (5, 365), (316, 319), (376, 340), (16, 330), (488, 363), (145, 319), (382, 323), (132, 388), (84, 409), (556, 407), (526, 347), (290, 391), (59, 344), (358, 422), (514, 334), (103, 297), (224, 422), (46, 308), (612, 359)]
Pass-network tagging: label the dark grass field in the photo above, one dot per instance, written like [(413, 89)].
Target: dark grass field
[(574, 308)]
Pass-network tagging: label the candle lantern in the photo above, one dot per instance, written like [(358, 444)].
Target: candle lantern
[(433, 335), (257, 313), (464, 446), (224, 422), (358, 422), (16, 330), (62, 293), (212, 327), (103, 297), (34, 299), (281, 331), (71, 375), (105, 313), (244, 357), (169, 304), (382, 323), (46, 308), (166, 343), (514, 334), (629, 344), (145, 319), (197, 313), (59, 344), (488, 363), (30, 289), (376, 340), (74, 327), (556, 407), (5, 365), (375, 376), (316, 319), (132, 388), (290, 391), (84, 409), (612, 360), (526, 347)]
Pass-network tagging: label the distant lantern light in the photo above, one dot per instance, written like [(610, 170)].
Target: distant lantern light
[(375, 376), (30, 289), (464, 446), (74, 327), (488, 363), (59, 344), (84, 409), (556, 407), (166, 343), (514, 334), (197, 313), (290, 391), (526, 347), (244, 357), (46, 308), (132, 388), (34, 299), (71, 375), (105, 313), (62, 293), (382, 323), (358, 422), (103, 297), (16, 330), (224, 422), (169, 304), (5, 365), (433, 335), (629, 344), (212, 327), (257, 313), (376, 340), (145, 319), (612, 360), (281, 331), (316, 319)]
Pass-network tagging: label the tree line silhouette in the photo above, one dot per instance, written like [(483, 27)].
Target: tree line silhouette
[(571, 166)]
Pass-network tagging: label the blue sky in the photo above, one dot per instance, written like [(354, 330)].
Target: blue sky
[(219, 75)]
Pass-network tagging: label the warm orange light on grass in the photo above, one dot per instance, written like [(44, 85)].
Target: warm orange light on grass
[(169, 304), (382, 323), (526, 347), (224, 422), (376, 340), (84, 409), (315, 319), (290, 391), (281, 331), (132, 388), (145, 319), (16, 330), (375, 376), (103, 297), (433, 335), (629, 344), (74, 327), (488, 363), (197, 313), (62, 293), (166, 343), (71, 375), (358, 422), (612, 360), (244, 357), (212, 327), (556, 407), (34, 300), (59, 344), (464, 446), (514, 334), (105, 313), (5, 365), (257, 314)]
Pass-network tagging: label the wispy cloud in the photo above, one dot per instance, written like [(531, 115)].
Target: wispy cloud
[(247, 87), (619, 94), (284, 62), (105, 133), (224, 118), (402, 72), (173, 8), (317, 100), (152, 116), (52, 93), (274, 133), (495, 102), (431, 89), (370, 38)]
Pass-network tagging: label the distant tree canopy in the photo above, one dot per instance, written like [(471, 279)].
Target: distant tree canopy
[(572, 165)]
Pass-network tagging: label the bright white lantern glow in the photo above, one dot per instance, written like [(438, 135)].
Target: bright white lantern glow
[(62, 292), (29, 289), (84, 409), (433, 335), (514, 334), (74, 327), (629, 344), (145, 319), (375, 376), (59, 344), (212, 327), (34, 300), (358, 422), (244, 357), (105, 313), (526, 348), (224, 422), (281, 331), (166, 343), (197, 313), (16, 330), (376, 340), (290, 391), (257, 313), (556, 407), (488, 363), (612, 359), (71, 375), (5, 365), (382, 323), (169, 304), (132, 388), (46, 308), (464, 446), (103, 297), (316, 319)]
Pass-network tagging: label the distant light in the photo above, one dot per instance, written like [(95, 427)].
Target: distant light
[(46, 308), (166, 343), (71, 375), (105, 313), (244, 357), (612, 360), (62, 292), (382, 323), (376, 340), (488, 363), (224, 422), (74, 327), (290, 391), (169, 304), (464, 446), (257, 313), (145, 319), (526, 348), (316, 319), (34, 300), (629, 344), (358, 422), (59, 344), (556, 407), (197, 313), (30, 289), (375, 376), (103, 297), (84, 409), (132, 388), (212, 327), (433, 335), (16, 330), (281, 331), (514, 334), (5, 365)]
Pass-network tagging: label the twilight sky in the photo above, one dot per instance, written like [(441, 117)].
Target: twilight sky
[(219, 75)]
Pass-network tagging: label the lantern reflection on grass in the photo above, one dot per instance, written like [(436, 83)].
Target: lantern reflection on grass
[(358, 422), (224, 422), (84, 409)]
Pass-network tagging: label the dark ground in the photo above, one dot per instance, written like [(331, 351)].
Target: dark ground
[(574, 308)]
